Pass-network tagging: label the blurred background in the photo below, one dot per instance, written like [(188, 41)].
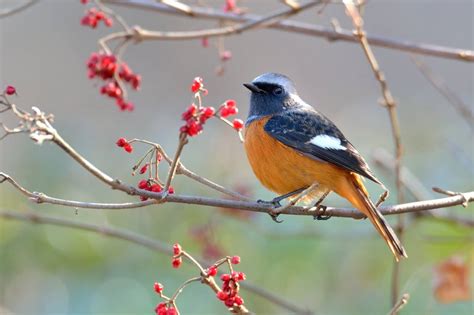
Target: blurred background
[(338, 266)]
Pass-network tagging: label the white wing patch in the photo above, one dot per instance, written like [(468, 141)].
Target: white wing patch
[(327, 142)]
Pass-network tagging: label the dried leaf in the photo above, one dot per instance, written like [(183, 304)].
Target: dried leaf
[(451, 281)]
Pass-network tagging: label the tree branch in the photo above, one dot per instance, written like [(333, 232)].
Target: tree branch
[(309, 29), (141, 240)]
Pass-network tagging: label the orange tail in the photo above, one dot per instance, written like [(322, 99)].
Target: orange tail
[(359, 197)]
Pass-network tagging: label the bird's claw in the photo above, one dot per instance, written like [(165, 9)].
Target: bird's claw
[(321, 210), (274, 215)]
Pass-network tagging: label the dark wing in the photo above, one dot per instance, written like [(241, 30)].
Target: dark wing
[(317, 137)]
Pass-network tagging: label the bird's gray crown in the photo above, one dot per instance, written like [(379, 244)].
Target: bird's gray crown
[(276, 79)]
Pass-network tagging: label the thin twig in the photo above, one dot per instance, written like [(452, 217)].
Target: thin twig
[(439, 84), (400, 304), (310, 29), (141, 240), (17, 9), (140, 34), (390, 104)]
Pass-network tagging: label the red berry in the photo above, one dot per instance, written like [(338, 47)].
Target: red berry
[(177, 249), (143, 198), (177, 262), (156, 188), (238, 124), (241, 276), (128, 148), (158, 287), (229, 302), (84, 1), (144, 168), (10, 90), (121, 142), (238, 300), (225, 277), (212, 271), (171, 311), (235, 260), (226, 55), (190, 112), (230, 6), (197, 85), (221, 295), (171, 190), (208, 112), (143, 184), (230, 103)]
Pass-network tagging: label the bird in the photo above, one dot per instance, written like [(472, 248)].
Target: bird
[(291, 147)]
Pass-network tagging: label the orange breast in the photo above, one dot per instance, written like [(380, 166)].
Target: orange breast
[(283, 169)]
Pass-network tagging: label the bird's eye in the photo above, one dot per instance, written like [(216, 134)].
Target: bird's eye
[(277, 91)]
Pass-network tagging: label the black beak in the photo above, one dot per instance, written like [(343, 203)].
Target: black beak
[(253, 88)]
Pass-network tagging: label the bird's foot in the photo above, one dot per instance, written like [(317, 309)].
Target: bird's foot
[(321, 216), (275, 202)]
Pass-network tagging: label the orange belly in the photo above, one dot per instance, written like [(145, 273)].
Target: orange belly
[(283, 169)]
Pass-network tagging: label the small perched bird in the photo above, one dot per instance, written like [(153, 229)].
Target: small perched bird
[(292, 147)]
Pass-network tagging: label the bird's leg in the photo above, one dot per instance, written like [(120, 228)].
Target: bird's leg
[(302, 192), (276, 201), (321, 209)]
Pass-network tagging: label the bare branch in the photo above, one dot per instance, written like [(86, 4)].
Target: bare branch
[(141, 240), (17, 9), (310, 29), (400, 304), (458, 199), (439, 84)]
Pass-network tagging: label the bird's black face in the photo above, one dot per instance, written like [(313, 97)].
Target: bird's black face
[(267, 99)]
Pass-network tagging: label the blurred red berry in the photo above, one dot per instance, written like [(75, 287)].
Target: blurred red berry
[(229, 302), (230, 103), (230, 6), (171, 311), (158, 287), (177, 249), (225, 277), (84, 1), (197, 84), (177, 262), (156, 188), (226, 55), (208, 112), (238, 300), (238, 124), (171, 190), (241, 276), (221, 295), (212, 271), (190, 112), (10, 90), (143, 184), (128, 148), (121, 142), (205, 42), (235, 260), (144, 169)]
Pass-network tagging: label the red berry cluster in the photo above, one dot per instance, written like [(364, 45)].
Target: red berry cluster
[(106, 68), (177, 251), (93, 16), (229, 293), (165, 309), (123, 143), (151, 185), (9, 90), (196, 116)]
